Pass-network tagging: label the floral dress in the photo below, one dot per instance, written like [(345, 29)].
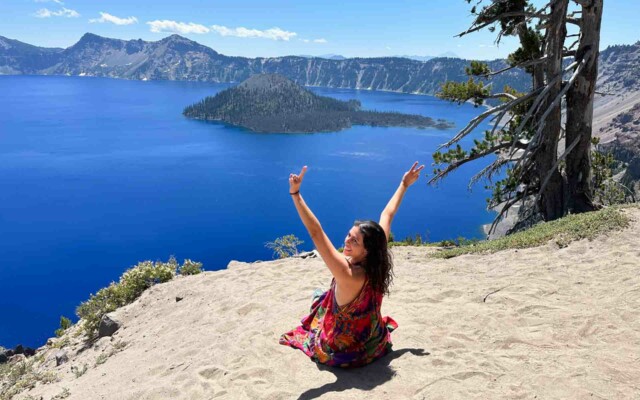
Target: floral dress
[(351, 335)]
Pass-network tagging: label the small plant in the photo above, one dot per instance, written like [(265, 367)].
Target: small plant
[(119, 346), (61, 343), (62, 395), (16, 378), (102, 358), (65, 323), (78, 372), (190, 268), (448, 243), (285, 246)]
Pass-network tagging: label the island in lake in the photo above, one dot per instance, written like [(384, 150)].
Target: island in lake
[(271, 103)]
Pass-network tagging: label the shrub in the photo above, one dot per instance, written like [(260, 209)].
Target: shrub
[(62, 395), (190, 268), (65, 323), (102, 358), (78, 372), (16, 378), (132, 283), (285, 246)]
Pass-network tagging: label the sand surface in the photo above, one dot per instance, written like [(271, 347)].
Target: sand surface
[(543, 323)]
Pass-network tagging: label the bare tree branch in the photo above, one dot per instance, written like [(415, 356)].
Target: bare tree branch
[(584, 3), (521, 65), (501, 96), (458, 163), (498, 17), (477, 120), (504, 209), (575, 21), (488, 171)]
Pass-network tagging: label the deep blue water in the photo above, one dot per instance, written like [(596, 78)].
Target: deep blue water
[(98, 174)]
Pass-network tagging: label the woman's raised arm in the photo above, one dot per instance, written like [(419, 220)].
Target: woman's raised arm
[(408, 179), (336, 263)]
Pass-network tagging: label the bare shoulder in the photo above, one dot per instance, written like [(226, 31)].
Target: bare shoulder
[(353, 282)]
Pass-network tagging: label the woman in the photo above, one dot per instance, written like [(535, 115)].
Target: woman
[(345, 327)]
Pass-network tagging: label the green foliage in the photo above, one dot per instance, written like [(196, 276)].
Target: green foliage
[(102, 358), (477, 68), (285, 246), (530, 49), (606, 191), (79, 371), (461, 92), (65, 323), (65, 341), (21, 376), (62, 395), (562, 231), (190, 268), (132, 283), (413, 240), (106, 300)]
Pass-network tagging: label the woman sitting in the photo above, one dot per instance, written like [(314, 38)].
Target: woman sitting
[(345, 327)]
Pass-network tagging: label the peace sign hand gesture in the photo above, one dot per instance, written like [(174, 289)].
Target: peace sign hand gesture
[(296, 180), (412, 175)]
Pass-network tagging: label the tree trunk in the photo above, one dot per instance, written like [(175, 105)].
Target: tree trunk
[(580, 112), (551, 201)]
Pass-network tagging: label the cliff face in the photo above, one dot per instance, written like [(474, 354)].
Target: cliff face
[(619, 68), (178, 58), (617, 108)]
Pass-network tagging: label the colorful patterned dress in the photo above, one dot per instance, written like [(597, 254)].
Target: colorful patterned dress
[(351, 335)]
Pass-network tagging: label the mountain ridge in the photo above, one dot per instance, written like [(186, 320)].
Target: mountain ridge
[(178, 58)]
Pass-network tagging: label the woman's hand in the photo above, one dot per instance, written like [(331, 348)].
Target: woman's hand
[(296, 180), (412, 175)]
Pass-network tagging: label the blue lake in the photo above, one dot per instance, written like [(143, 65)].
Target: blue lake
[(98, 174)]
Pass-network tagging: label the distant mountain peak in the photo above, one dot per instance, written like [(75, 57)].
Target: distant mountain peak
[(176, 38), (90, 36)]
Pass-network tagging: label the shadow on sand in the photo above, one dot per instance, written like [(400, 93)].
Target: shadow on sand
[(364, 378)]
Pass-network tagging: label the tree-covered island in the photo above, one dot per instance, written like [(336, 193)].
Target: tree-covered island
[(271, 103)]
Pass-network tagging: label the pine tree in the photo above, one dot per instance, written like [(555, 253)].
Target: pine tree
[(549, 178)]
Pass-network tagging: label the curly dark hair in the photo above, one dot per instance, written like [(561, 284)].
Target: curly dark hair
[(378, 264)]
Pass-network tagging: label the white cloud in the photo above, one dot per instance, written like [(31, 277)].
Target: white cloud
[(160, 26), (104, 17), (49, 1), (64, 12), (314, 40), (273, 33)]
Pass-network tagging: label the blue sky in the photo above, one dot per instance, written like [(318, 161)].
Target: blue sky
[(253, 28)]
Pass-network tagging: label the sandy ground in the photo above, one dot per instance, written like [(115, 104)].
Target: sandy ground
[(544, 323)]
